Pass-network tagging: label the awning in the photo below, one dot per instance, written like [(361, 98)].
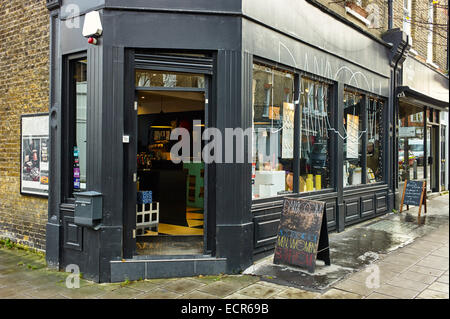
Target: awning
[(410, 96)]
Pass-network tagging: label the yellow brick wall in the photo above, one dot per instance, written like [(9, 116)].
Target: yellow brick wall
[(24, 89), (419, 30)]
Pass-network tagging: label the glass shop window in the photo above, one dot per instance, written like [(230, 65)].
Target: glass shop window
[(273, 132), (151, 78), (354, 134), (375, 132), (314, 138), (411, 144), (79, 87)]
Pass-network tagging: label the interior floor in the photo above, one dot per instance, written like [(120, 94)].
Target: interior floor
[(194, 217)]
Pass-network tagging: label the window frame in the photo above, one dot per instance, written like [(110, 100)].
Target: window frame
[(332, 104), (68, 132), (365, 107)]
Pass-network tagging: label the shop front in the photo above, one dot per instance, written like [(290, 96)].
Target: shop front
[(137, 115), (422, 126)]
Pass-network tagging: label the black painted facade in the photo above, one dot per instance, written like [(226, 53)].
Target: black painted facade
[(233, 34)]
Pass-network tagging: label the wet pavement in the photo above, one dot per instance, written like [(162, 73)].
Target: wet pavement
[(409, 261), (358, 246)]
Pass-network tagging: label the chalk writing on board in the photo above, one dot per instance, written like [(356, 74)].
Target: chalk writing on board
[(413, 193), (299, 233)]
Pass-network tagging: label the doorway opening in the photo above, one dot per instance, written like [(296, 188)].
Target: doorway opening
[(170, 203)]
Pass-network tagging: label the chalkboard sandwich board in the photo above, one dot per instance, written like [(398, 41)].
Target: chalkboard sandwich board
[(414, 193), (302, 234)]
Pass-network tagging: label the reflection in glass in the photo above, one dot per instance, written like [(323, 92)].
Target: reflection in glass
[(410, 143), (314, 140), (353, 129), (79, 149), (374, 140), (273, 132), (151, 78)]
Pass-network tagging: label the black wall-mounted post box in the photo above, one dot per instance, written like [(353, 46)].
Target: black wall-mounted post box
[(88, 208)]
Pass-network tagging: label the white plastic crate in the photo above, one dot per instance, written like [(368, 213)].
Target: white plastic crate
[(147, 217)]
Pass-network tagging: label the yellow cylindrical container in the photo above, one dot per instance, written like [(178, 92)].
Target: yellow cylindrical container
[(302, 185), (318, 182), (309, 183)]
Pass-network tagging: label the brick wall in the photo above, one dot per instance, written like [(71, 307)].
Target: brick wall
[(24, 89), (440, 36), (376, 11), (419, 29)]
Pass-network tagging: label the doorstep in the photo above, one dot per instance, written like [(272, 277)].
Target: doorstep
[(151, 267)]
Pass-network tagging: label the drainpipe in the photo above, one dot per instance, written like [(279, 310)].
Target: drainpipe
[(390, 15), (395, 111)]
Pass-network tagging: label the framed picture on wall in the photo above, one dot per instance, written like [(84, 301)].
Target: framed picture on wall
[(34, 154)]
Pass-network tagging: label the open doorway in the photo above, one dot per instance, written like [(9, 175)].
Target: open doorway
[(170, 203)]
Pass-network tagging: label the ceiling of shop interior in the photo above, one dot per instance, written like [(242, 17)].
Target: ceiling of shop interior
[(170, 101)]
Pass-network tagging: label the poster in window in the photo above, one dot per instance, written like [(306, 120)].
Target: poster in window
[(34, 160), (288, 130), (352, 135)]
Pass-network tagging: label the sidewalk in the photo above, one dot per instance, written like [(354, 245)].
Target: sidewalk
[(412, 262)]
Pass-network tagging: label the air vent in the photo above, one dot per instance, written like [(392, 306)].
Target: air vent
[(53, 4)]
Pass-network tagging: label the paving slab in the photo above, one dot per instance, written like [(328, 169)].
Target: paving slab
[(143, 285), (239, 296), (182, 286), (408, 284), (219, 289), (294, 293), (442, 252), (363, 276), (260, 291), (121, 293), (91, 291), (197, 295), (339, 294), (398, 292), (402, 259), (416, 276), (376, 295), (443, 279), (426, 270), (242, 280), (439, 286), (435, 262), (158, 293), (384, 266), (432, 294), (42, 292), (354, 287)]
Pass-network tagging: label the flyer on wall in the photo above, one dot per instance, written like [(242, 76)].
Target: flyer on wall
[(34, 155)]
